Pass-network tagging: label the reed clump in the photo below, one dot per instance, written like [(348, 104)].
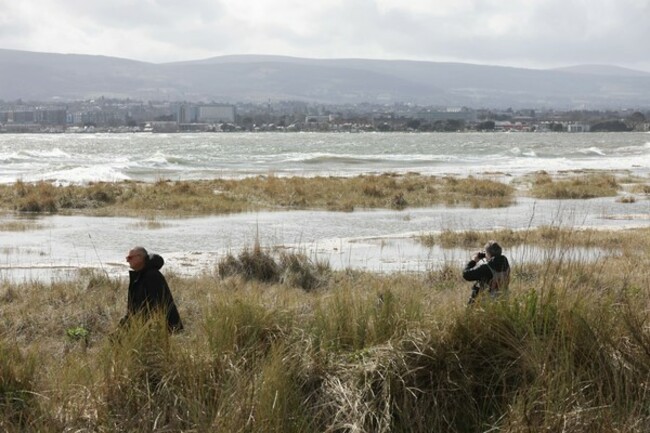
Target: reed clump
[(19, 226), (481, 193), (641, 189), (578, 187), (565, 351), (542, 236), (291, 269), (634, 184)]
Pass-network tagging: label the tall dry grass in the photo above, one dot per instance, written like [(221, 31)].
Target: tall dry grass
[(577, 187), (567, 350), (542, 236), (218, 196)]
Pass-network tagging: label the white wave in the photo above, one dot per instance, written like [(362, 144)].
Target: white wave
[(83, 175), (592, 150), (53, 153), (158, 159), (30, 155), (14, 157), (634, 149), (84, 157)]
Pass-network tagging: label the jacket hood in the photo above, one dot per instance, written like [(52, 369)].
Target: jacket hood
[(499, 263), (155, 261)]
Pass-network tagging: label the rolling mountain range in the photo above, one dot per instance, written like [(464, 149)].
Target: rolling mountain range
[(33, 76)]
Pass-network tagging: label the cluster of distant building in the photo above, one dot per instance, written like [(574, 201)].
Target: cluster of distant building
[(118, 115), (113, 116)]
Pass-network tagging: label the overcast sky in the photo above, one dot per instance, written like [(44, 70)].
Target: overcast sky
[(526, 33)]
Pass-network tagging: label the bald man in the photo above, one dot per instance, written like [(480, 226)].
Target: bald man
[(148, 289)]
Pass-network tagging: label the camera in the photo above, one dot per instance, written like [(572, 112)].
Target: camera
[(480, 255)]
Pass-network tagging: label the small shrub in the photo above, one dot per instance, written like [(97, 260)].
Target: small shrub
[(229, 266), (77, 333), (34, 204), (252, 264), (372, 191), (299, 271), (294, 270), (102, 193), (399, 202), (185, 188)]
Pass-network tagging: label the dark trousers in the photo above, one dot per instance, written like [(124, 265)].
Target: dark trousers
[(476, 289)]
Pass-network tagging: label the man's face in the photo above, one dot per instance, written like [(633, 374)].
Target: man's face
[(135, 260)]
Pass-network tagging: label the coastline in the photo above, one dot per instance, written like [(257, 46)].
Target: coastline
[(355, 200)]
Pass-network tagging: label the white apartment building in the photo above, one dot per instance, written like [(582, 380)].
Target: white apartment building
[(216, 113)]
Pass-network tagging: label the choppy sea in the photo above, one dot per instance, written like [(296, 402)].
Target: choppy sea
[(376, 240), (78, 158)]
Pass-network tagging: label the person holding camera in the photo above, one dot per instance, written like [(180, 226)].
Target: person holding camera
[(493, 274)]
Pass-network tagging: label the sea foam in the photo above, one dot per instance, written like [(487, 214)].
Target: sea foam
[(83, 175)]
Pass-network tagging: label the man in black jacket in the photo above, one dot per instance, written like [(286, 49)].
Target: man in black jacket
[(148, 289), (493, 274)]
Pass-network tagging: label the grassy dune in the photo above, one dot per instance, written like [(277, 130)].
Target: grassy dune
[(386, 191), (218, 196), (264, 351)]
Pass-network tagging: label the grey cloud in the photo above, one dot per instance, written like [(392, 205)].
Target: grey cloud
[(549, 33), (159, 14), (541, 32)]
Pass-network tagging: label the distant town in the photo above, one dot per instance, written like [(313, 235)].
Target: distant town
[(130, 116)]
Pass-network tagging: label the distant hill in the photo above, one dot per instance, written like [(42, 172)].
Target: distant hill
[(614, 71), (46, 77)]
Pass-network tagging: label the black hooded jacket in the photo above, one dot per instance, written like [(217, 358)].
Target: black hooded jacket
[(482, 273), (148, 292)]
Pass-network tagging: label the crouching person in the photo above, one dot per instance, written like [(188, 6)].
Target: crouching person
[(493, 274), (148, 292)]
